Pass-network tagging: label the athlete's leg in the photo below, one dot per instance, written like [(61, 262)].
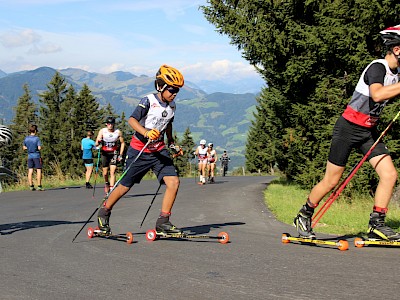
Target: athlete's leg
[(387, 173), (115, 195), (377, 229), (30, 173), (89, 170), (113, 168), (163, 224), (331, 178), (39, 177), (105, 174), (302, 221), (172, 186)]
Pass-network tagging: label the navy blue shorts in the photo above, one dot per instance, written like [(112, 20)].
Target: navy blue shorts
[(347, 136), (35, 163), (159, 162)]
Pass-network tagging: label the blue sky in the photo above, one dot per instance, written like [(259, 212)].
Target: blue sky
[(114, 35)]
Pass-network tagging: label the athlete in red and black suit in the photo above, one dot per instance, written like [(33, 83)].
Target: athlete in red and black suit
[(356, 128)]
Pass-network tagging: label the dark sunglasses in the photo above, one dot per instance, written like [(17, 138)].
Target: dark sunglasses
[(172, 90)]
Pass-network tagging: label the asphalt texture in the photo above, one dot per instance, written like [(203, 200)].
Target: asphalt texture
[(39, 261)]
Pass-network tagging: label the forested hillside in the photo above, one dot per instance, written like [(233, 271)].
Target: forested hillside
[(221, 118)]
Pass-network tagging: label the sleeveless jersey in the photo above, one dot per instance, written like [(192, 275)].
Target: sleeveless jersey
[(158, 117), (110, 140), (211, 155), (202, 152), (362, 110)]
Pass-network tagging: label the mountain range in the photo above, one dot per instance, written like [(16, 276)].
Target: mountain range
[(219, 117)]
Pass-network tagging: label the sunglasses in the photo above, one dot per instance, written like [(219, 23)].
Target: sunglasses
[(172, 90)]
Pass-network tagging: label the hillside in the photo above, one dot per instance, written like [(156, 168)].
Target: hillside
[(221, 118)]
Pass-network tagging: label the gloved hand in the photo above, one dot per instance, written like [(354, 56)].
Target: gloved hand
[(152, 134), (119, 158)]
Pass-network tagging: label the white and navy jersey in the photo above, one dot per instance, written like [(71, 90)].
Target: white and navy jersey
[(152, 113), (110, 139), (362, 110)]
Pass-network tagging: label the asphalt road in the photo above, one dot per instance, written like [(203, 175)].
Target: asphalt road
[(39, 261)]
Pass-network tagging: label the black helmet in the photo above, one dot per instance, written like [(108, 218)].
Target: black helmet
[(110, 120), (6, 136), (391, 36)]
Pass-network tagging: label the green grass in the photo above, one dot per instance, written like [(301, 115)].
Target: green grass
[(342, 218), (49, 182)]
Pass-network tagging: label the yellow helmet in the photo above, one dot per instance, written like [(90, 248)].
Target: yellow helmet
[(168, 76)]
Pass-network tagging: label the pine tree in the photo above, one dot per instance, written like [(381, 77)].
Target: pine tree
[(25, 115), (187, 144), (51, 124)]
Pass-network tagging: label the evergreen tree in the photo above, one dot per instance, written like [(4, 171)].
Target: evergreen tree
[(187, 144), (52, 127), (25, 115), (311, 54)]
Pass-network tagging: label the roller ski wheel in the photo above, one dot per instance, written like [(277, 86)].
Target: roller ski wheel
[(342, 245), (361, 242), (223, 237), (129, 237), (90, 232), (151, 235)]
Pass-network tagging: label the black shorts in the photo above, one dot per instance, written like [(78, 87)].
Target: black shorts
[(108, 158), (347, 136), (160, 162), (88, 162)]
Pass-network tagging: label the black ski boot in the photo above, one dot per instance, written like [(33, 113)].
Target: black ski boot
[(166, 227), (377, 230), (103, 220), (302, 222)]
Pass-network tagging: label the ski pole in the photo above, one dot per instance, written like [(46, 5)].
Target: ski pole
[(96, 173), (109, 193), (335, 194), (155, 195)]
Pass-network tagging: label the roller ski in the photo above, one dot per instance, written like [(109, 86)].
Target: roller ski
[(103, 229), (342, 245), (167, 230), (97, 232), (378, 233), (302, 222)]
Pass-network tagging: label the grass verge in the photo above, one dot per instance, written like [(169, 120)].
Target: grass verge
[(343, 217)]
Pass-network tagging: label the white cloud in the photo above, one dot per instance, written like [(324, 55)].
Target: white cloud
[(113, 68), (44, 48), (19, 38), (219, 70)]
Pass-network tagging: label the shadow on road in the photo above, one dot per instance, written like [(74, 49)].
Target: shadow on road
[(14, 227), (201, 229)]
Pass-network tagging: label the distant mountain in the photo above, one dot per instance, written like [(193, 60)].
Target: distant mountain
[(218, 117), (2, 74)]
